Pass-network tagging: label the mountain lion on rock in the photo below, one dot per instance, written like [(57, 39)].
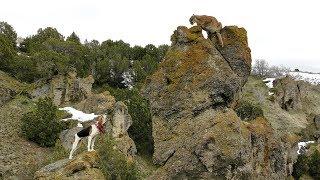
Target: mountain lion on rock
[(208, 23)]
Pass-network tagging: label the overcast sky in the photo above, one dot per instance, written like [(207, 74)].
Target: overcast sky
[(284, 32)]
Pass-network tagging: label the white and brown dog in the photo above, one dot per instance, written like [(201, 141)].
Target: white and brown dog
[(91, 132)]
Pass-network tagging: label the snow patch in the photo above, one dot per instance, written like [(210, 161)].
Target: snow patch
[(303, 145), (269, 82), (127, 79), (313, 78), (78, 115)]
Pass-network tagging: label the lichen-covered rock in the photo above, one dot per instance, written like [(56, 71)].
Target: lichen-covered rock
[(192, 77), (196, 134), (236, 51), (97, 103), (78, 88), (83, 166), (288, 93)]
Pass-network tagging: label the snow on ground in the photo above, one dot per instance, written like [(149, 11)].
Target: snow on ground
[(303, 144), (127, 79), (269, 82), (78, 115), (312, 78)]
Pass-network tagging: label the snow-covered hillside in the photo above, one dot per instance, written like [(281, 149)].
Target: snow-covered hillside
[(313, 78)]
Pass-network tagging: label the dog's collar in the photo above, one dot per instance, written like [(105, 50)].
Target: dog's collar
[(100, 127)]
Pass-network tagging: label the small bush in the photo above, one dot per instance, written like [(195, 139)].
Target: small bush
[(42, 125), (113, 163), (300, 167), (307, 165), (314, 165), (248, 111)]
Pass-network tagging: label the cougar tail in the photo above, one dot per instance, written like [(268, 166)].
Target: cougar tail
[(220, 38)]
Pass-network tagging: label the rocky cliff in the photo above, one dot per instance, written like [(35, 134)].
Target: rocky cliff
[(196, 133), (65, 89)]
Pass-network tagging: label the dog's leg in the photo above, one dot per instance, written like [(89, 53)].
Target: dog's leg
[(93, 141), (89, 142), (74, 145)]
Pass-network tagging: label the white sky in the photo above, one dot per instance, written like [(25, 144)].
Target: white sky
[(284, 32)]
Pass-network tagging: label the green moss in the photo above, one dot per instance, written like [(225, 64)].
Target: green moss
[(236, 35), (248, 111)]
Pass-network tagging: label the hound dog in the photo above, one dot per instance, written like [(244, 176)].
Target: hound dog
[(91, 132)]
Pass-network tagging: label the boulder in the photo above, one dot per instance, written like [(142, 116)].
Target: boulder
[(288, 93), (83, 166)]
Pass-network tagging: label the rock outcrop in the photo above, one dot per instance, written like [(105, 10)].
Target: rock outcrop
[(64, 89), (83, 166), (97, 103), (193, 77), (196, 134), (288, 93), (9, 87), (236, 50), (121, 122)]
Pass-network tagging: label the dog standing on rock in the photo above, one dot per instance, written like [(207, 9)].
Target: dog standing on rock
[(91, 132)]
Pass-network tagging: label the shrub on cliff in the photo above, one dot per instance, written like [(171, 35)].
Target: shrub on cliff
[(307, 165), (248, 111), (113, 163), (314, 165), (42, 125), (300, 167)]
